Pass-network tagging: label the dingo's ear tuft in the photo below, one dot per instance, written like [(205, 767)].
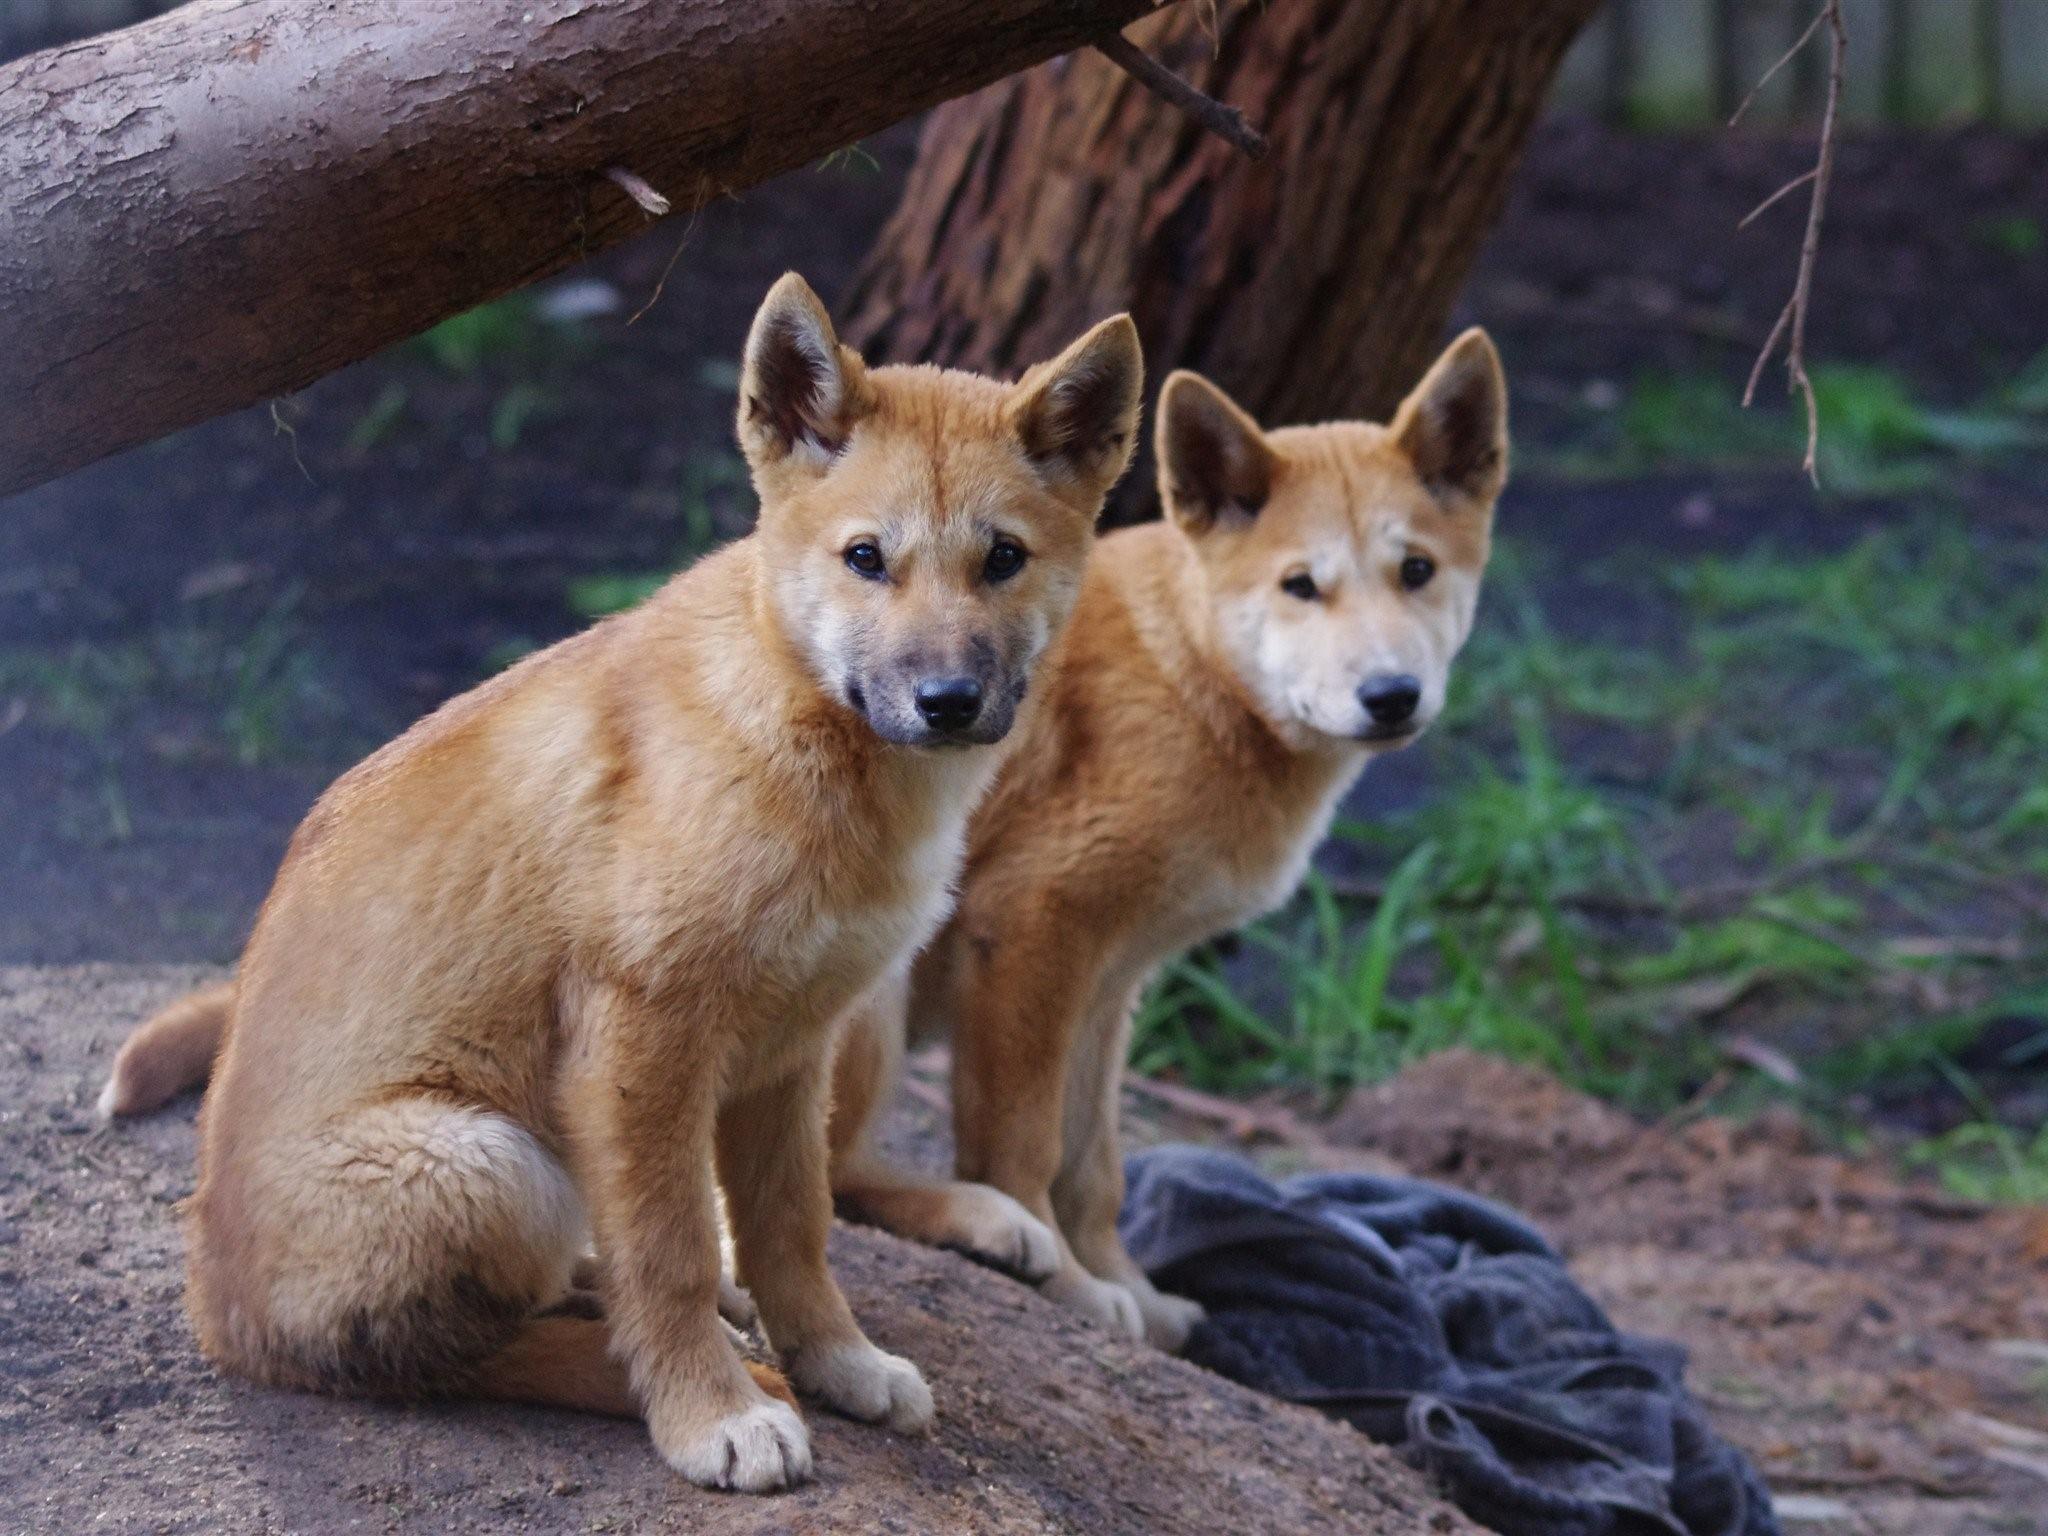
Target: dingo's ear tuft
[(1213, 458), (799, 388), (1454, 427), (1077, 416)]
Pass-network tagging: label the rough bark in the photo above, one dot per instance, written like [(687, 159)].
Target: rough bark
[(112, 1422), (222, 204), (1313, 283)]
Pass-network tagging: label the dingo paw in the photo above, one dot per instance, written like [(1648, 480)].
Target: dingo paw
[(990, 1226), (1102, 1301), (864, 1383), (761, 1449), (1168, 1319)]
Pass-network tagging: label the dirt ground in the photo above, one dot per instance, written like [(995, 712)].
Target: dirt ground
[(1880, 1350), (110, 1421)]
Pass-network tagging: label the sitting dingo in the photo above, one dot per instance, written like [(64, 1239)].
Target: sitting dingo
[(564, 958), (1228, 673)]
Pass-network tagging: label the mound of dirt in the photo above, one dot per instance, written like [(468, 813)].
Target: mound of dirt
[(1880, 1348), (110, 1421)]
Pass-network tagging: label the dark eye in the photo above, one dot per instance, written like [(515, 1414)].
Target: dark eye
[(1004, 561), (1416, 571), (1301, 585), (864, 559)]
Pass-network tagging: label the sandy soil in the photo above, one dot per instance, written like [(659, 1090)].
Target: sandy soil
[(110, 1421)]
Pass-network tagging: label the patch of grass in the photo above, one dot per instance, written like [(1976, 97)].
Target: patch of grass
[(516, 407), (249, 690), (2028, 391), (1986, 1160), (1923, 649), (508, 652), (2014, 234), (1877, 436), (462, 344), (712, 481), (603, 593), (380, 420), (1878, 439)]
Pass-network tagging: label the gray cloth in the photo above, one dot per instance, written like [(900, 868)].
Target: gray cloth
[(1447, 1326)]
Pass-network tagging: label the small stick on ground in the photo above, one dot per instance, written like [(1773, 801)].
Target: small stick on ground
[(1251, 1122), (1227, 123), (1791, 324)]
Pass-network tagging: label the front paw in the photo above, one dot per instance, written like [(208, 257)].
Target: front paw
[(1168, 1319), (1101, 1301), (864, 1383), (994, 1228), (761, 1449)]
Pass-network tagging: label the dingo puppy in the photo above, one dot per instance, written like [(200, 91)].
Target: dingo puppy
[(565, 956), (1228, 673)]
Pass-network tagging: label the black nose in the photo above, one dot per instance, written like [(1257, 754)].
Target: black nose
[(1390, 697), (949, 703)]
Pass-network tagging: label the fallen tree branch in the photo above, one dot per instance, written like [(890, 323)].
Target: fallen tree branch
[(214, 208), (1226, 122), (1791, 324)]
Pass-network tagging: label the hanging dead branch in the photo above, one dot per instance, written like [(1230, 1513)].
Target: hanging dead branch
[(1790, 329)]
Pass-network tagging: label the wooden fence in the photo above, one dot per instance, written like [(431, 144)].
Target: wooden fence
[(1924, 63), (1655, 63)]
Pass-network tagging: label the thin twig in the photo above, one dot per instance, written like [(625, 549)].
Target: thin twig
[(1226, 122), (1791, 326), (1243, 1122), (1776, 197), (282, 428), (1771, 73), (654, 298), (651, 202)]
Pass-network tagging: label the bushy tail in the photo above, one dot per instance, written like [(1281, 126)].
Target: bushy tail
[(171, 1052)]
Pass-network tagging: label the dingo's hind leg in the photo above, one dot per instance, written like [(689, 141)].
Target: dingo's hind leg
[(391, 1252)]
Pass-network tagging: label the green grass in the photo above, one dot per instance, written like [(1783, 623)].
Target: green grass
[(1984, 1160), (1877, 435), (2017, 235), (1829, 758), (506, 350), (712, 487), (462, 345), (247, 690)]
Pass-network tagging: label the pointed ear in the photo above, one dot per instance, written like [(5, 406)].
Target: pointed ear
[(1213, 457), (1077, 416), (1454, 427), (800, 390)]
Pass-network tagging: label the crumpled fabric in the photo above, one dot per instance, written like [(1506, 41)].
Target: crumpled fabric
[(1447, 1326)]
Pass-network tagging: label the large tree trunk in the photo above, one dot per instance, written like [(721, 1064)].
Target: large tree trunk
[(1310, 284), (221, 205)]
